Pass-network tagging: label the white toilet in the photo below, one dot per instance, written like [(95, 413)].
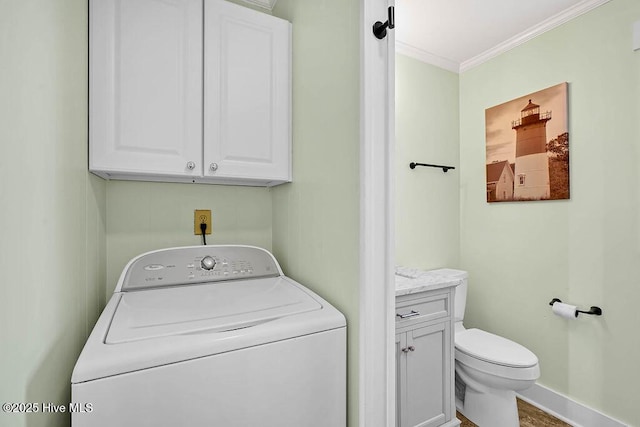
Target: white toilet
[(489, 370)]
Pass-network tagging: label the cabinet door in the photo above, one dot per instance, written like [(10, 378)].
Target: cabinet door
[(145, 88), (428, 376), (247, 93)]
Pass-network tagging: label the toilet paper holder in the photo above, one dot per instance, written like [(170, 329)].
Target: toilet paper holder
[(596, 311)]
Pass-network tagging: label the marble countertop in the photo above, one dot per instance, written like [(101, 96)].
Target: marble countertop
[(412, 281)]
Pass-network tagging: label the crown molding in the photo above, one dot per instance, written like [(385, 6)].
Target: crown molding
[(428, 57), (263, 4), (546, 25)]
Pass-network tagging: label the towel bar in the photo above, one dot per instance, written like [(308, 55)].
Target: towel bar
[(413, 165)]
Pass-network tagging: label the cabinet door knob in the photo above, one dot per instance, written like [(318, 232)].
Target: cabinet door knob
[(213, 167), (405, 350), (412, 348), (191, 165)]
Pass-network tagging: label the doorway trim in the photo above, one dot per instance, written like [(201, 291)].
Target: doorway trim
[(377, 383)]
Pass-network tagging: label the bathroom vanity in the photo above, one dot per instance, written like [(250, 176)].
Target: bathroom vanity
[(425, 351)]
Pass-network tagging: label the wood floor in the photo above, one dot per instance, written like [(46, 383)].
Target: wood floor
[(530, 416)]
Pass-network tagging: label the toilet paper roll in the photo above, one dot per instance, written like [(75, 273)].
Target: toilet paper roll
[(567, 311)]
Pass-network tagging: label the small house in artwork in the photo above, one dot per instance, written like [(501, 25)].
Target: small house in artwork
[(500, 180)]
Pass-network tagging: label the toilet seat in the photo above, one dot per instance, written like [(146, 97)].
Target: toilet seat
[(495, 355), (494, 349)]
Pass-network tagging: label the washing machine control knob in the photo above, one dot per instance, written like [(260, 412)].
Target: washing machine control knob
[(208, 263)]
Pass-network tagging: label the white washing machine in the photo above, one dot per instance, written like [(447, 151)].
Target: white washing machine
[(212, 336)]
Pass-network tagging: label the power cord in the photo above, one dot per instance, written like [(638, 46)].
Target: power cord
[(203, 229)]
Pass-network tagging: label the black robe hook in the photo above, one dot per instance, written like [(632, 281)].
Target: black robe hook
[(380, 29)]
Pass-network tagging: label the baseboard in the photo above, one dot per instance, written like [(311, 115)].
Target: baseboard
[(565, 409)]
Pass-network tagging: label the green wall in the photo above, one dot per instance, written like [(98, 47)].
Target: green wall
[(144, 216), (427, 131), (316, 218), (584, 251), (52, 221)]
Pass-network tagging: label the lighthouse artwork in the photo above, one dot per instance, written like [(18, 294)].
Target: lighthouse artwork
[(528, 147)]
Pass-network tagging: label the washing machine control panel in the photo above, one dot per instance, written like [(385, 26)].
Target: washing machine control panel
[(198, 264)]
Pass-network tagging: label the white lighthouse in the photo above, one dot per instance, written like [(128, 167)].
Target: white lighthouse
[(531, 174)]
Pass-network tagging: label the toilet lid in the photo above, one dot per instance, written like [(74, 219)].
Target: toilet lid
[(494, 349)]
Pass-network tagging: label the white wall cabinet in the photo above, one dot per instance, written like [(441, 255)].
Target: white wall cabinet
[(424, 360), (189, 91)]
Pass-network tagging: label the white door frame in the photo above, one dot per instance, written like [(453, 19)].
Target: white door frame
[(377, 384)]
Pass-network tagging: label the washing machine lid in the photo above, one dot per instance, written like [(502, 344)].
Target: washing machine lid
[(494, 349), (209, 307)]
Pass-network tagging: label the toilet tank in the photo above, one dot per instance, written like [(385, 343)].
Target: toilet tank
[(460, 276), (460, 301)]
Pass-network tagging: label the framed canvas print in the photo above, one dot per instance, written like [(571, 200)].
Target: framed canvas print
[(527, 141)]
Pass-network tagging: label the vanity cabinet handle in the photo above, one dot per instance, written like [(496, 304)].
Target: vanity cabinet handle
[(408, 315), (408, 349)]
